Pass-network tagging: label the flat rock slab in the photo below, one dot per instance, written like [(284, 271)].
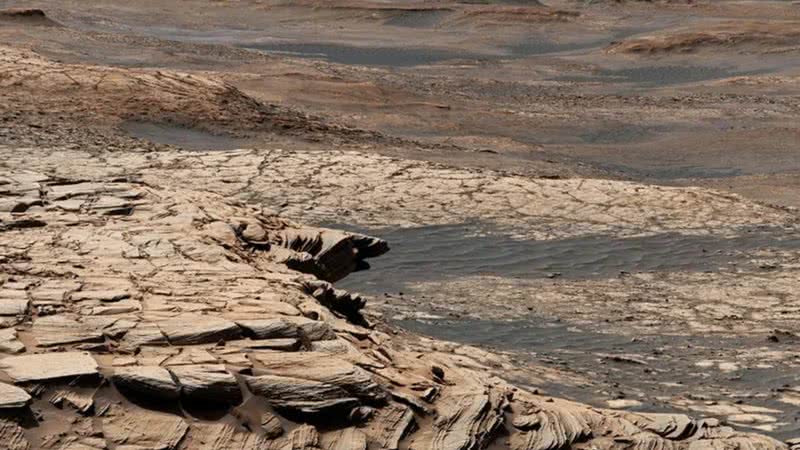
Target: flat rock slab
[(60, 330), (149, 381), (82, 403), (287, 327), (208, 382), (12, 397), (198, 329), (48, 366)]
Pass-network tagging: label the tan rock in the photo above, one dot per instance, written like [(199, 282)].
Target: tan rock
[(347, 439), (148, 381), (207, 382), (198, 329), (9, 343), (304, 437), (12, 397), (49, 366), (140, 429), (301, 396), (12, 436), (80, 402)]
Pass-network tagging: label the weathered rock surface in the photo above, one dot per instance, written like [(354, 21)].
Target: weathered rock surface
[(148, 381), (12, 396), (166, 291), (302, 396), (12, 436), (137, 429), (210, 383), (201, 305), (9, 342), (48, 366), (196, 329), (82, 403)]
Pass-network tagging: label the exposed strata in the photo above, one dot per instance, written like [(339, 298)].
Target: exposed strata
[(139, 292), (764, 36), (108, 95)]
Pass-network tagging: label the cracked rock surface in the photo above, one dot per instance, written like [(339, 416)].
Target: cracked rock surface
[(143, 306)]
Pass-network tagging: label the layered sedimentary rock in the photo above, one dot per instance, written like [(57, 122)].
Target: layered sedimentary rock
[(160, 290)]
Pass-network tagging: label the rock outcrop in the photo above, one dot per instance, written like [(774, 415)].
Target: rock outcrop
[(162, 292)]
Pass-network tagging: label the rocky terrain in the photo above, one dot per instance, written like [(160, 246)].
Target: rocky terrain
[(138, 314), (266, 225)]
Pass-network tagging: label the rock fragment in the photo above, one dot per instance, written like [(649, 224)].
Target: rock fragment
[(329, 254), (12, 397), (9, 342)]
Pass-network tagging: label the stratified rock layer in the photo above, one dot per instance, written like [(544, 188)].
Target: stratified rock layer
[(159, 289)]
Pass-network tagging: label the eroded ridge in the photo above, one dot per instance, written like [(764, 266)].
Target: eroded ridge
[(341, 186), (141, 316)]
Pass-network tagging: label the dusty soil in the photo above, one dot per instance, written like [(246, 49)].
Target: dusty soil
[(591, 200)]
